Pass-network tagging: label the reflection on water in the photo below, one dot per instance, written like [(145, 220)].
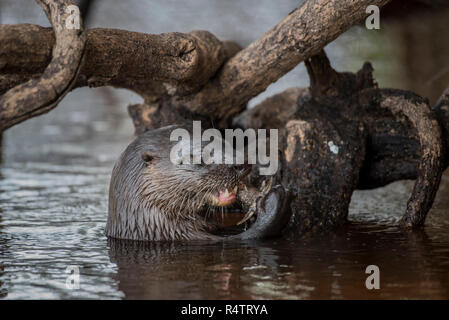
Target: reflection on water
[(53, 207), (412, 266), (53, 200)]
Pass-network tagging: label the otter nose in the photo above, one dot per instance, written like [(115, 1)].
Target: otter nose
[(242, 169)]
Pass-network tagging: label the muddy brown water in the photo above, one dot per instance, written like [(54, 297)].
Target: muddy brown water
[(56, 168), (53, 207)]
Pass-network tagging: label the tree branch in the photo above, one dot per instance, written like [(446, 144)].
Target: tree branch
[(179, 71), (304, 32), (441, 111), (430, 152), (140, 62), (403, 135), (38, 96)]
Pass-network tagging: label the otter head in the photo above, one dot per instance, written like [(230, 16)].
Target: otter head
[(182, 188), (152, 197)]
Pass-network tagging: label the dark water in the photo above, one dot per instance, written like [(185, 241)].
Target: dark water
[(53, 203), (53, 200)]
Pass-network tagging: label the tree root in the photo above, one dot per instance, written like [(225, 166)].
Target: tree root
[(382, 135)]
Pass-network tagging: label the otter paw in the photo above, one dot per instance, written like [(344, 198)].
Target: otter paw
[(272, 214)]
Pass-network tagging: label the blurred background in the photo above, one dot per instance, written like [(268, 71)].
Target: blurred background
[(56, 168)]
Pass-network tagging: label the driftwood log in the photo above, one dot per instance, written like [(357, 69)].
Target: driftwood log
[(341, 134)]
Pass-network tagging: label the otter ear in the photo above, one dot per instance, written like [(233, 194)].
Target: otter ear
[(147, 156)]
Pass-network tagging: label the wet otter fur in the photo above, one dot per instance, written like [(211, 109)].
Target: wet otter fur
[(151, 198)]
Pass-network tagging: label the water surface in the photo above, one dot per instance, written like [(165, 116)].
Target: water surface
[(53, 202), (56, 169)]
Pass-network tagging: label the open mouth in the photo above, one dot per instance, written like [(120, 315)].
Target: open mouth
[(226, 209), (243, 210), (229, 213), (225, 197), (239, 213)]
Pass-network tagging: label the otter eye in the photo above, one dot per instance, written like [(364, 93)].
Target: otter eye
[(147, 157)]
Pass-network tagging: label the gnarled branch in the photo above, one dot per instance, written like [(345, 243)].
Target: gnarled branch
[(403, 140), (189, 74), (131, 60), (40, 95), (304, 32)]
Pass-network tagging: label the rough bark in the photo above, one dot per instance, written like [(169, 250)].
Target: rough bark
[(178, 71), (418, 115), (40, 95), (140, 62), (398, 137), (300, 35), (441, 112), (340, 134), (320, 167)]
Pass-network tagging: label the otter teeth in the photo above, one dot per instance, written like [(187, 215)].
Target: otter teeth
[(225, 197), (227, 193), (247, 216)]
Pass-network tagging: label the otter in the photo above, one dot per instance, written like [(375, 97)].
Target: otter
[(153, 199)]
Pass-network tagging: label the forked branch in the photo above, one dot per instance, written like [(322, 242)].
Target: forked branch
[(40, 95)]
